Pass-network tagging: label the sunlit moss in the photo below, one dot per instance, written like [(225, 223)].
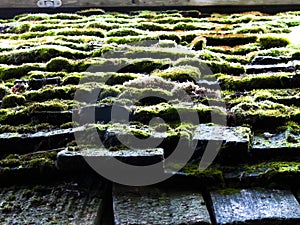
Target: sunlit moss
[(230, 39), (13, 100), (180, 73), (121, 32), (49, 92), (39, 54), (79, 32), (9, 72), (273, 42)]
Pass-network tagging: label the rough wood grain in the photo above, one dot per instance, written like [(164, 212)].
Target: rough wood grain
[(59, 203), (141, 205), (253, 207)]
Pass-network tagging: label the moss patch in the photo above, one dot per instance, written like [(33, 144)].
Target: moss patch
[(13, 100), (180, 73), (273, 42)]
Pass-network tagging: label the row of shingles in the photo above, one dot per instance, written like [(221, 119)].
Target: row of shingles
[(246, 206), (182, 205), (36, 137), (190, 205), (78, 201), (264, 64), (255, 206), (43, 140), (163, 207), (89, 219), (77, 205), (151, 203), (40, 165)]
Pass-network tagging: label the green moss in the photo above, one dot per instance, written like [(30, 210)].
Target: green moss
[(46, 27), (167, 44), (50, 92), (211, 177), (105, 49), (67, 125), (38, 163), (290, 127), (180, 73), (84, 39), (275, 173), (33, 35), (171, 19), (117, 78), (234, 19), (170, 36), (144, 65), (293, 23), (163, 54), (186, 26), (123, 40), (153, 82), (14, 116), (9, 72), (146, 14), (209, 55), (109, 92), (103, 25), (237, 50), (257, 81), (170, 113), (264, 113), (252, 30), (12, 160), (273, 42), (13, 100), (4, 90), (230, 39), (229, 191), (39, 54), (90, 12), (121, 32), (60, 64), (150, 26), (79, 32), (188, 37), (21, 28), (46, 17), (146, 96), (72, 79), (52, 105), (296, 55), (227, 68), (199, 43), (25, 128)]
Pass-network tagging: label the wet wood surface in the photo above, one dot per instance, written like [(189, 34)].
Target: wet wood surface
[(153, 205), (109, 3), (265, 207)]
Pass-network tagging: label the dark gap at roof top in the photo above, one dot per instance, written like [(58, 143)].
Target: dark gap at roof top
[(10, 12)]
